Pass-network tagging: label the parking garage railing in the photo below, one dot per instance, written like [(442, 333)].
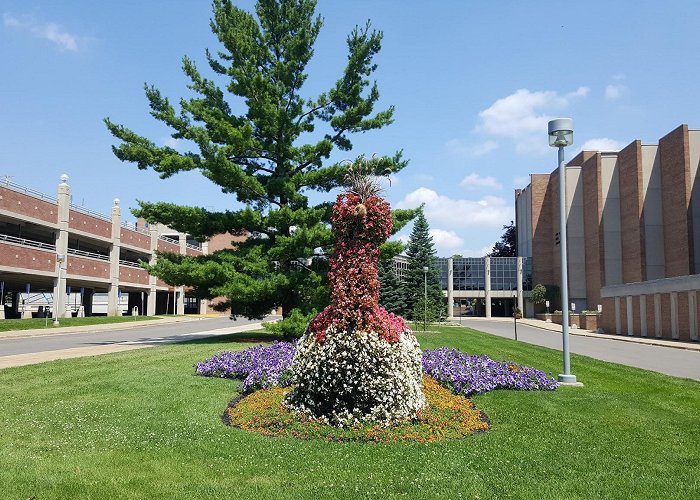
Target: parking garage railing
[(27, 243), (27, 191), (83, 253), (129, 263)]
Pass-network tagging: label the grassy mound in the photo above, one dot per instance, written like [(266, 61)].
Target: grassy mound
[(448, 416)]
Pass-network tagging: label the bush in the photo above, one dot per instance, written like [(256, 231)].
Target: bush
[(291, 327)]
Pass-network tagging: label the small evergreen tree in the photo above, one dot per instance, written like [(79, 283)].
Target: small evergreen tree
[(391, 296), (421, 253)]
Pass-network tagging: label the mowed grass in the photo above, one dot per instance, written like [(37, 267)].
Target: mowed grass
[(41, 323), (139, 424)]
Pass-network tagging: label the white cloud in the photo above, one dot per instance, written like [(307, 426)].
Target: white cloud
[(475, 180), (48, 31), (489, 211), (457, 148), (523, 116), (602, 144), (445, 240), (614, 92)]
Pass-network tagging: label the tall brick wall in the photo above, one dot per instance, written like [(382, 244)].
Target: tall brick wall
[(593, 231), (542, 230), (675, 187), (630, 171)]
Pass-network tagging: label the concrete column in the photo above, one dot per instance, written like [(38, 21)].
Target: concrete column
[(657, 316), (520, 285), (487, 285), (674, 315), (59, 283), (618, 319), (15, 303), (643, 315), (88, 295), (450, 288), (152, 280), (204, 303), (693, 315), (630, 316), (26, 312), (113, 308), (181, 290)]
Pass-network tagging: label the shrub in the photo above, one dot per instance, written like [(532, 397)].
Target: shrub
[(291, 327)]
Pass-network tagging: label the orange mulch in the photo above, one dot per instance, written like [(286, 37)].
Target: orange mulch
[(447, 416)]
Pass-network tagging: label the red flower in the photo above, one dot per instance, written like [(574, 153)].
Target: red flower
[(360, 227)]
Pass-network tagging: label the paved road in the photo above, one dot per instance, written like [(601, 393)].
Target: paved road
[(39, 346), (668, 360)]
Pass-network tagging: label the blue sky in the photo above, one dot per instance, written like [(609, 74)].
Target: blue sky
[(474, 84)]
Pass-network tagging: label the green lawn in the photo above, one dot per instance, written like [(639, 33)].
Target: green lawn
[(41, 323), (139, 424)]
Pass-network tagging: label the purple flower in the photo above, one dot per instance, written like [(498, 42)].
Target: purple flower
[(259, 367), (468, 375)]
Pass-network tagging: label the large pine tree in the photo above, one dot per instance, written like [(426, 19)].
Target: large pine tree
[(269, 155), (421, 253)]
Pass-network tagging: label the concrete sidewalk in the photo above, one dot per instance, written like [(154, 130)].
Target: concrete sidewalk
[(543, 325)]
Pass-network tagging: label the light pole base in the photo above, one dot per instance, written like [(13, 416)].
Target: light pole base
[(569, 380)]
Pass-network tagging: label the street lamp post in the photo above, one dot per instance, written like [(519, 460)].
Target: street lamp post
[(425, 298), (561, 134), (515, 315), (57, 300)]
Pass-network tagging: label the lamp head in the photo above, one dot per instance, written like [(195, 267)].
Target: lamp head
[(425, 269), (561, 132)]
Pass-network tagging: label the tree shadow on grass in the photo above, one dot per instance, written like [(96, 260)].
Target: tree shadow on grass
[(255, 337)]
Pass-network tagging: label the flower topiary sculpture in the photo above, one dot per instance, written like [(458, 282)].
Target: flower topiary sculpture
[(357, 362)]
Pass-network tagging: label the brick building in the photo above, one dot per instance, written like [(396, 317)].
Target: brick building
[(633, 224), (52, 248)]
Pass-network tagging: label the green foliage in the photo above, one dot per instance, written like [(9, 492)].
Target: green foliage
[(421, 253), (427, 311), (291, 327), (507, 247), (391, 293), (538, 294), (255, 135)]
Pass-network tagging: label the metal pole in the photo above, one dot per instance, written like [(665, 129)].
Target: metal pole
[(55, 300), (515, 316), (425, 301), (566, 377)]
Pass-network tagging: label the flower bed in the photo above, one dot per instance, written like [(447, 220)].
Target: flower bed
[(447, 416), (259, 367), (468, 375), (263, 367)]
